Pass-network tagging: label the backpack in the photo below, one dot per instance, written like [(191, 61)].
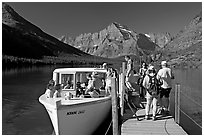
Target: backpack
[(155, 84)]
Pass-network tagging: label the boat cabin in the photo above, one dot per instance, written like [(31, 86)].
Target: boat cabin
[(71, 79)]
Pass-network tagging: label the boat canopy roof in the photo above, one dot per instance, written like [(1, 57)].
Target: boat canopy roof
[(64, 70)]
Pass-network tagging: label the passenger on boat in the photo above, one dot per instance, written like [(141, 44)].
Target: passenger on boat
[(90, 83), (68, 85), (103, 87), (152, 94), (94, 85), (58, 90), (79, 89), (49, 90), (166, 75), (52, 82), (97, 81)]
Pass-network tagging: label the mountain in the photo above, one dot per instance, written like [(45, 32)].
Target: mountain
[(186, 48), (161, 39), (191, 34), (21, 38), (113, 41)]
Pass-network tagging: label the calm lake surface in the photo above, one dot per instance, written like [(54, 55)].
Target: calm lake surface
[(190, 81), (22, 114)]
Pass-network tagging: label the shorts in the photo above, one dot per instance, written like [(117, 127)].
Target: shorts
[(165, 92), (148, 96)]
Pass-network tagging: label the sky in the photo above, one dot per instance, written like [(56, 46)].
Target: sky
[(75, 18)]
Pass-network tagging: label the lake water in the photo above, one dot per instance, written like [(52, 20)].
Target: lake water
[(190, 81), (22, 114), (21, 111)]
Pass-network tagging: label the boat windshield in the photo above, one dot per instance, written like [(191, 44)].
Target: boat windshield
[(82, 78), (79, 79)]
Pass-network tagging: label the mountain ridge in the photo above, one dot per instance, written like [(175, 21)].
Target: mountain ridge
[(22, 38), (19, 36), (166, 45), (113, 41)]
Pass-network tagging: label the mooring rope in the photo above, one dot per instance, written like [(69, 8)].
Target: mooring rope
[(191, 99), (108, 127), (166, 128)]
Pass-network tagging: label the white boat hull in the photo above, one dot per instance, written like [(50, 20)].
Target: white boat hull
[(77, 116)]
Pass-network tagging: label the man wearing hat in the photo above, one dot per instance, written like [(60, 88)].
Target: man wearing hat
[(166, 75)]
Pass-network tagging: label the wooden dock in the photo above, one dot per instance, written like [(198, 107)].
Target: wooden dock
[(164, 125), (137, 125)]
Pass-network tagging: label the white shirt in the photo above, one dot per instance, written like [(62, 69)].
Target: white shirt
[(165, 74)]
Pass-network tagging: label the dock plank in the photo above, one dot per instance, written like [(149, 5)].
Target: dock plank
[(162, 126)]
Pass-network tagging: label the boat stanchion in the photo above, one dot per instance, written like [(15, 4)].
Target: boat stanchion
[(177, 103)]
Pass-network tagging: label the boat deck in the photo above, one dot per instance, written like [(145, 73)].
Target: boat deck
[(164, 125), (52, 102)]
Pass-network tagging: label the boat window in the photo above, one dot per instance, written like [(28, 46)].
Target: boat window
[(68, 81), (81, 78)]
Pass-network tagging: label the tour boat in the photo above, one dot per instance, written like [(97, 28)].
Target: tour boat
[(71, 115)]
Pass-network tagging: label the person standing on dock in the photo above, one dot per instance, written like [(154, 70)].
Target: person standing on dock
[(150, 83), (129, 72), (166, 75), (109, 75), (142, 73)]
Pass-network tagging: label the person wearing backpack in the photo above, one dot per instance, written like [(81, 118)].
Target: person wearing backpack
[(151, 84), (166, 75)]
